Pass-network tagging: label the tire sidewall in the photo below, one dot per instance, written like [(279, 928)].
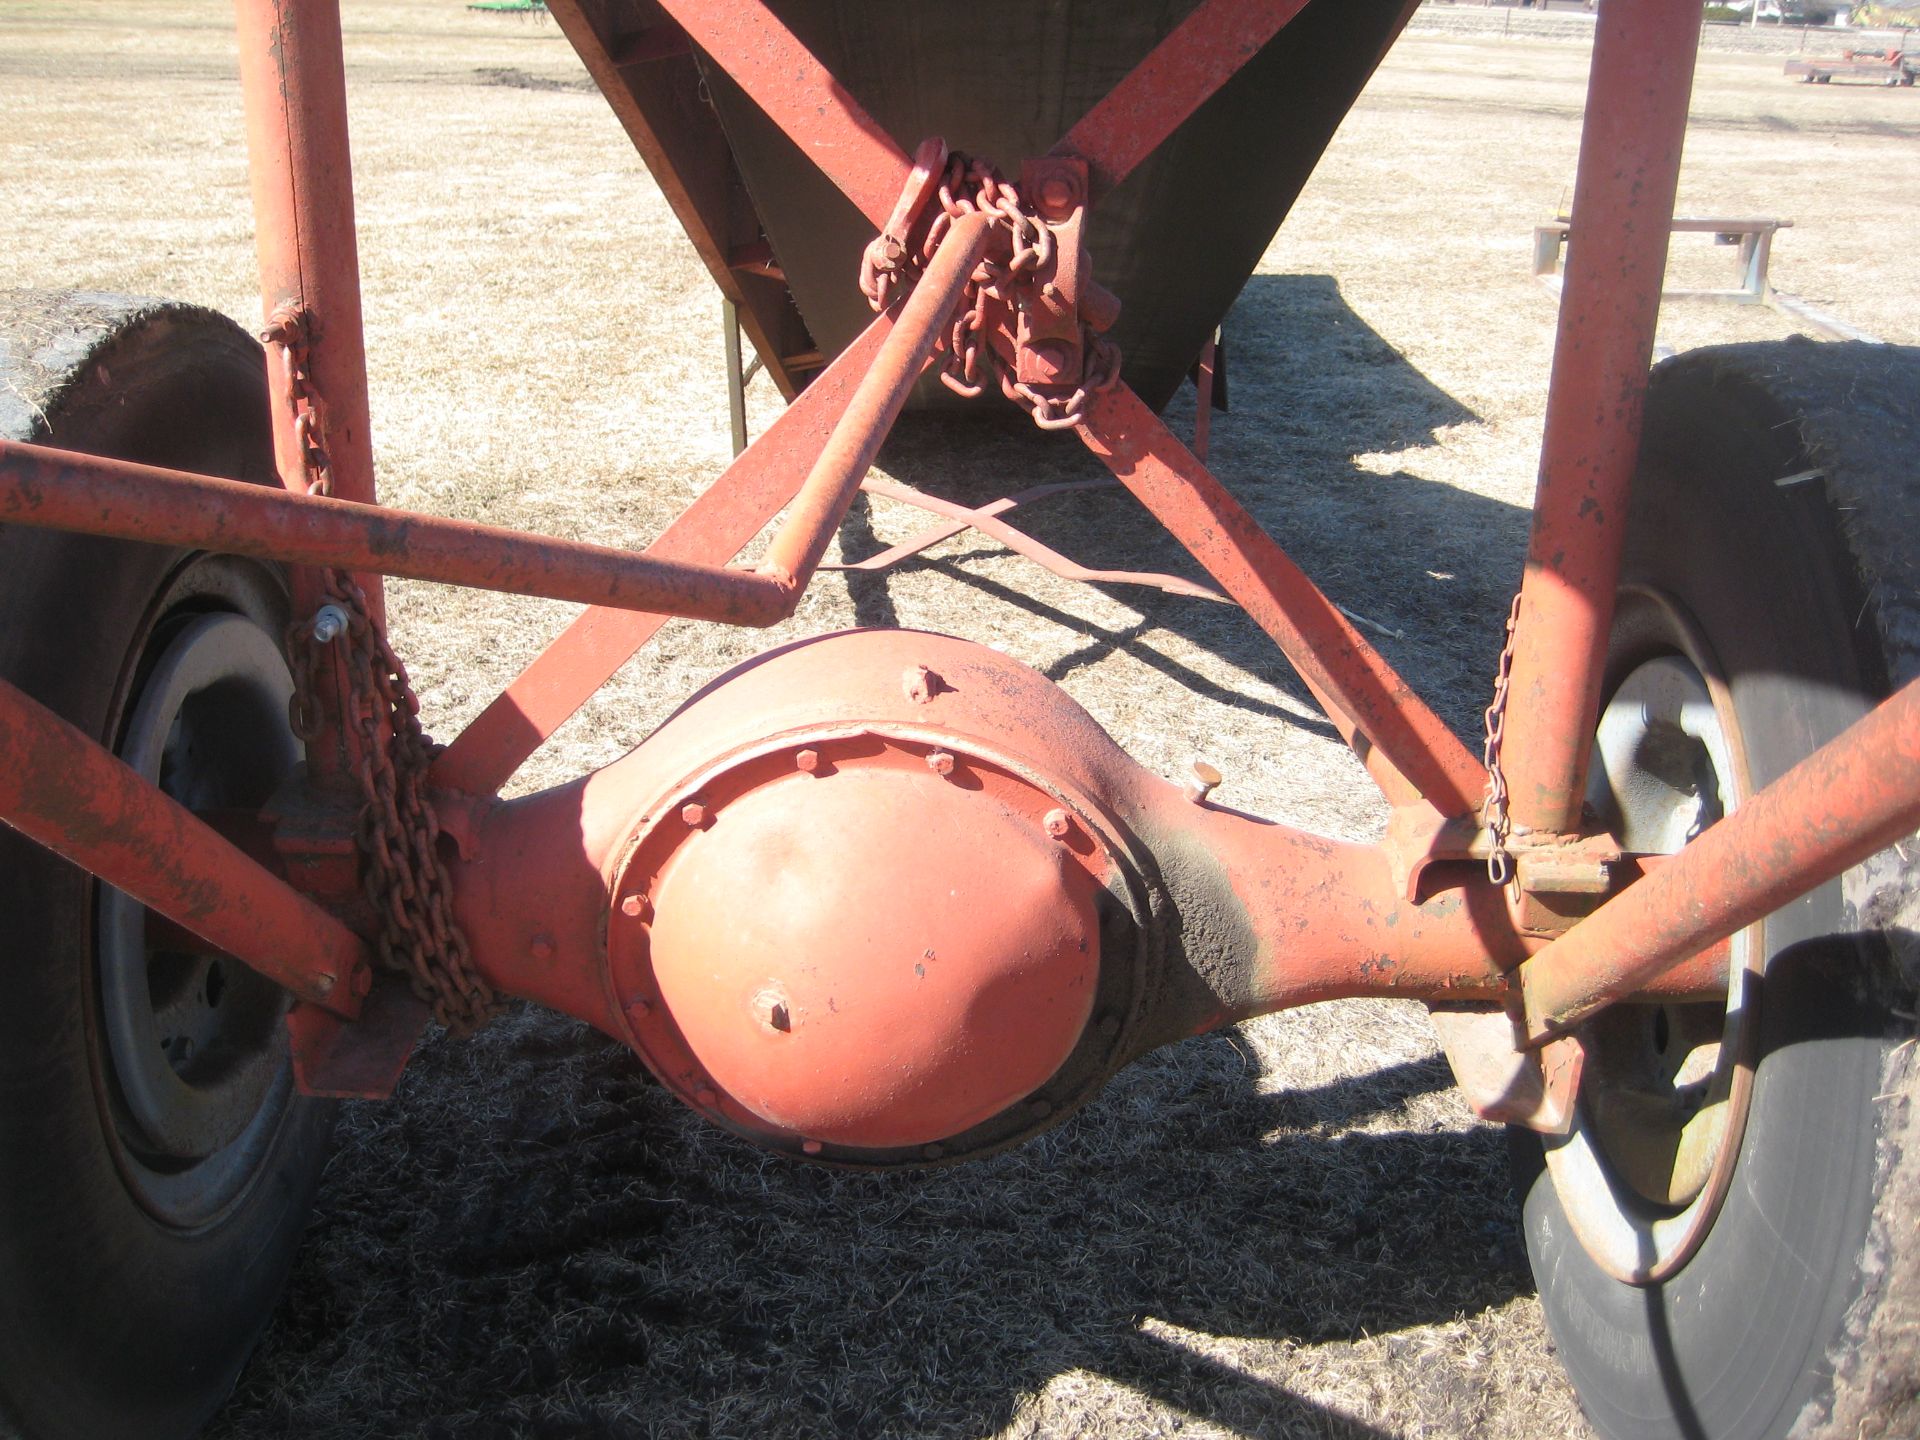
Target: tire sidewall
[(1737, 1343), (111, 1321)]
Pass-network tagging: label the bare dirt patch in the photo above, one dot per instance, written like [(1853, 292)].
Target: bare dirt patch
[(1290, 1229)]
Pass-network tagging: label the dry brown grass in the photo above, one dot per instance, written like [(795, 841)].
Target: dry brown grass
[(1291, 1229)]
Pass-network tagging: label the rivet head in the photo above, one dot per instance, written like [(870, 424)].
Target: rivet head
[(1109, 1025), (323, 983), (807, 760), (1056, 192), (940, 762), (934, 1152), (542, 947), (634, 906), (921, 684), (1040, 1109), (694, 813), (1058, 824), (362, 981), (810, 1147), (639, 1007), (706, 1095)]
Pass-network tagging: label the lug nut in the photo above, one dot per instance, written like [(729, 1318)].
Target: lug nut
[(694, 813), (940, 762), (323, 983), (1056, 193), (1058, 824), (634, 906), (807, 760)]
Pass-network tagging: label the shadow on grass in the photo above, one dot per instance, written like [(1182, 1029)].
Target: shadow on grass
[(535, 1240)]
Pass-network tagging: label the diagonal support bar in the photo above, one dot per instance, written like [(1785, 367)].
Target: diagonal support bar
[(882, 393), (59, 490), (1853, 796), (899, 356), (60, 788), (714, 528), (1177, 77), (1406, 748), (801, 96)]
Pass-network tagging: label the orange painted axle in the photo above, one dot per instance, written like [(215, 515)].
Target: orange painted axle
[(871, 891)]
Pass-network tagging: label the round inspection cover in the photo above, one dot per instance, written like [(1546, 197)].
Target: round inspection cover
[(877, 954)]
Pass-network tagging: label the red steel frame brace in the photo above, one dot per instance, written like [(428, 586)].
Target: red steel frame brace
[(1841, 804), (58, 787), (1849, 799), (88, 495), (1643, 54)]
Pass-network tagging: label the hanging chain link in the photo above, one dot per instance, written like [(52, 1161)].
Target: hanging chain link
[(398, 831), (970, 186), (1494, 811)]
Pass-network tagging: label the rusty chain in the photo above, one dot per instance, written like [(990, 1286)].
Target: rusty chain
[(398, 830), (970, 186), (1494, 812)]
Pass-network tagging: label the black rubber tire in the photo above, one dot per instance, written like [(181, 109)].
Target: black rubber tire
[(1797, 1314), (112, 1322)]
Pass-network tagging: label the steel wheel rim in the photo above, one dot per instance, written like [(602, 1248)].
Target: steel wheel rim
[(1643, 1170), (193, 1047)]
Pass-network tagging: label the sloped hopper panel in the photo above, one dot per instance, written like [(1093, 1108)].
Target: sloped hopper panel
[(1005, 79)]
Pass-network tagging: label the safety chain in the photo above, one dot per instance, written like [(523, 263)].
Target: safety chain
[(1494, 812), (969, 186), (398, 832)]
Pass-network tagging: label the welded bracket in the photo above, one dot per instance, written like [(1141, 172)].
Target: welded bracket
[(1502, 1082)]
